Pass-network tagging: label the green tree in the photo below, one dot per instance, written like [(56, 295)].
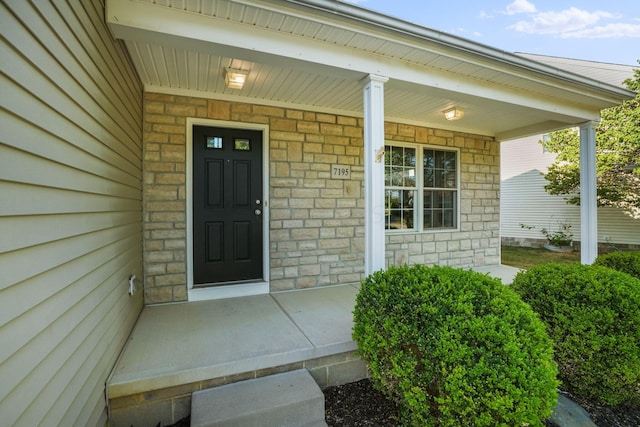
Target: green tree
[(617, 157)]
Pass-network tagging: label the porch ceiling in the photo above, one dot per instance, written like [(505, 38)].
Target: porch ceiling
[(312, 54)]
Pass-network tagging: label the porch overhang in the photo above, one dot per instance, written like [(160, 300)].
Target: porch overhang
[(312, 54)]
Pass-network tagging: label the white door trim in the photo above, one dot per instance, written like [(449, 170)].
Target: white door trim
[(228, 291)]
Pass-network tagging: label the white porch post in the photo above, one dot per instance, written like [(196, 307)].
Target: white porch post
[(373, 92), (588, 195)]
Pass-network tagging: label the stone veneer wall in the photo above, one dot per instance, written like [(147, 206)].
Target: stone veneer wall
[(316, 223), (477, 242)]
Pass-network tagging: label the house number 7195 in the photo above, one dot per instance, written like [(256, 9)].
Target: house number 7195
[(340, 171)]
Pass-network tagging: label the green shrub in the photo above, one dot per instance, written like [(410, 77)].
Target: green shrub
[(628, 262), (455, 348), (593, 315)]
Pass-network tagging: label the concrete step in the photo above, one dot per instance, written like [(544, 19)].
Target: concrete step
[(290, 399)]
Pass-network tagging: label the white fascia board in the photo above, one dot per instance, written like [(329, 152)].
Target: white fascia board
[(466, 50), (536, 129), (160, 25)]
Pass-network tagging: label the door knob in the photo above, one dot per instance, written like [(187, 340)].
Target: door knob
[(258, 211)]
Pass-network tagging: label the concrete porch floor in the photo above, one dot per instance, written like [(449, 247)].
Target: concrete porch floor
[(179, 348)]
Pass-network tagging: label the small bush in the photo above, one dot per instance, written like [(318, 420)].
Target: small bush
[(455, 348), (593, 315), (628, 262)]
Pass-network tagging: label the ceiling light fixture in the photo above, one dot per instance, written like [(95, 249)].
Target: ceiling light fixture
[(235, 79), (453, 113)]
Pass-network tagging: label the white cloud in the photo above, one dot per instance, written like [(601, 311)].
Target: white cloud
[(485, 15), (520, 6), (466, 33), (569, 20), (609, 31)]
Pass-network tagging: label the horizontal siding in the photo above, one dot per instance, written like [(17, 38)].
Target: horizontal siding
[(44, 173), (523, 155), (61, 345), (620, 228), (43, 313), (29, 199), (48, 228), (70, 210), (28, 107), (523, 200)]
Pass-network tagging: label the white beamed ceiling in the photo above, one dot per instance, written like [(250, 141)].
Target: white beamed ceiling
[(312, 59)]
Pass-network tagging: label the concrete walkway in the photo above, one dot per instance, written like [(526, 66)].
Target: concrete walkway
[(502, 272), (185, 343)]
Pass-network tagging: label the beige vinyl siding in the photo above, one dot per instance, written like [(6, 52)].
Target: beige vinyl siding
[(523, 199), (70, 210), (618, 227)]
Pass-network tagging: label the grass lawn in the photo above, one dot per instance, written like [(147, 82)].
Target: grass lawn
[(528, 257)]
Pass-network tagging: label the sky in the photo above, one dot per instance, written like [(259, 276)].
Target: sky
[(593, 30)]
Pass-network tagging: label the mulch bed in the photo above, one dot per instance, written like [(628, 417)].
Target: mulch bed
[(359, 404), (611, 416)]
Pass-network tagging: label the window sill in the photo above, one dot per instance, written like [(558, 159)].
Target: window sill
[(429, 231)]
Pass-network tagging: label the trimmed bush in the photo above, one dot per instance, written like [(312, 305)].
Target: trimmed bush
[(627, 262), (593, 315), (455, 348)]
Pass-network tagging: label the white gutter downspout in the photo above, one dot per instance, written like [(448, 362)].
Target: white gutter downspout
[(373, 103), (588, 194)]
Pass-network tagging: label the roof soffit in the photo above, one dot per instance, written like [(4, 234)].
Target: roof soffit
[(151, 22), (309, 44)]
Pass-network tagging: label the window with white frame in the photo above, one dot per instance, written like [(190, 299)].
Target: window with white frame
[(545, 138), (421, 188)]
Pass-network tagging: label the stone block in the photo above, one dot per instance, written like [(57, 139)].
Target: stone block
[(149, 415), (305, 233), (287, 399), (346, 372), (282, 124), (325, 118), (219, 110)]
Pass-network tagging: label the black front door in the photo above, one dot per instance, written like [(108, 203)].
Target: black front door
[(227, 205)]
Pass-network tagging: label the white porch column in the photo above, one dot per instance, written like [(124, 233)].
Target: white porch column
[(588, 195), (373, 92)]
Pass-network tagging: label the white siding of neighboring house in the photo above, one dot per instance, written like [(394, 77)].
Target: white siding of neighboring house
[(70, 210), (523, 200)]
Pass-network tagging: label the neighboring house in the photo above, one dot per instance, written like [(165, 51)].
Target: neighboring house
[(118, 130), (523, 199)]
